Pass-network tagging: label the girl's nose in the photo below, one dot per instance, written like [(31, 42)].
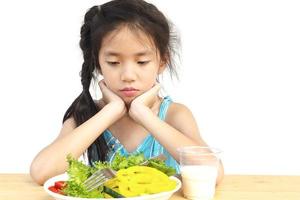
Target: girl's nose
[(128, 74)]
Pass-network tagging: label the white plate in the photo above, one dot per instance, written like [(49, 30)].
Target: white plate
[(64, 177)]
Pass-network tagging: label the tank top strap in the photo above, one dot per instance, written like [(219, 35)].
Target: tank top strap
[(164, 107)]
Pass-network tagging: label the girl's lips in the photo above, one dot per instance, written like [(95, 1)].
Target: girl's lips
[(129, 92)]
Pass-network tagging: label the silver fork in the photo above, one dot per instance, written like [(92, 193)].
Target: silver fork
[(98, 178), (160, 157), (102, 175)]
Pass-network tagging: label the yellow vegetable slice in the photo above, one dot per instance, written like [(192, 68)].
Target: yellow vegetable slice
[(112, 183), (139, 180)]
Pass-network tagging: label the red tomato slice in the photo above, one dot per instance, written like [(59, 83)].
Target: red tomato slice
[(53, 189), (59, 184)]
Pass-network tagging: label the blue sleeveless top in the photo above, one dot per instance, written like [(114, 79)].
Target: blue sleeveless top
[(149, 147)]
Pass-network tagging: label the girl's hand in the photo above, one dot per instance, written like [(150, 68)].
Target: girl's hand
[(143, 104), (109, 97)]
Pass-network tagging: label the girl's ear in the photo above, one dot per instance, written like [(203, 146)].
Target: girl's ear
[(162, 66)]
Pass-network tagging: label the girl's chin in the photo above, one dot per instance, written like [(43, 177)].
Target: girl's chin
[(128, 100)]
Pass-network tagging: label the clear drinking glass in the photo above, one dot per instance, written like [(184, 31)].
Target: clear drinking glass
[(199, 170)]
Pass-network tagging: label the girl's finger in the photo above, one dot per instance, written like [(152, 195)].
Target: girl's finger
[(152, 92), (156, 88)]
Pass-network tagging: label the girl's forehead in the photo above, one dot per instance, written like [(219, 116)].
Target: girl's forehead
[(127, 41)]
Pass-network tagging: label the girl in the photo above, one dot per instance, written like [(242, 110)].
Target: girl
[(129, 43)]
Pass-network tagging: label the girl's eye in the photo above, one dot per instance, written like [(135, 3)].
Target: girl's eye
[(117, 63), (143, 62), (113, 63)]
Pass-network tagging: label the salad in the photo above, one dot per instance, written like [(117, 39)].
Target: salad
[(131, 179)]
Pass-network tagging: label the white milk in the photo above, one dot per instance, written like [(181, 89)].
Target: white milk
[(199, 181)]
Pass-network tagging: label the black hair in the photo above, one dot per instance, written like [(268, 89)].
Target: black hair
[(98, 22)]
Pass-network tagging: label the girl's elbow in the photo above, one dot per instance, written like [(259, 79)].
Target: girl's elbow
[(219, 179), (220, 174), (37, 174)]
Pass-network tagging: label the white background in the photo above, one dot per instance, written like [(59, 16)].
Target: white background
[(239, 76)]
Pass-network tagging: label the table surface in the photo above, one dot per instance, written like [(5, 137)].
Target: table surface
[(233, 187)]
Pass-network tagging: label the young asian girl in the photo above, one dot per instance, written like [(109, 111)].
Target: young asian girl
[(129, 43)]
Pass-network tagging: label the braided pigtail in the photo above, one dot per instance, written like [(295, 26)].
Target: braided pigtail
[(84, 107)]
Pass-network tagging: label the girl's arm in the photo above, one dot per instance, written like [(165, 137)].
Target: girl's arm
[(178, 130), (51, 160)]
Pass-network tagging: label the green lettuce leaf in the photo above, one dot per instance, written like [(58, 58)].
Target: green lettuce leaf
[(100, 165), (161, 166), (78, 172), (122, 162), (78, 190)]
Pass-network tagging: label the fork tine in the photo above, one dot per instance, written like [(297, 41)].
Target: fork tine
[(98, 172), (98, 178), (94, 175), (109, 173), (89, 179), (96, 184)]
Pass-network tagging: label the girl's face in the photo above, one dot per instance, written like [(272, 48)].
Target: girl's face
[(129, 63)]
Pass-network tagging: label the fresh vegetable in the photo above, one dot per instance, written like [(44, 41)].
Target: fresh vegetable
[(161, 166), (131, 179), (111, 192), (99, 165), (122, 162), (59, 184), (55, 190), (78, 190), (139, 180), (58, 187), (78, 173)]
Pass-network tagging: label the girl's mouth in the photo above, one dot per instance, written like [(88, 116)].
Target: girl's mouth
[(129, 92)]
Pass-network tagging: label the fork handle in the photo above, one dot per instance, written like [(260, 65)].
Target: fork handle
[(160, 157)]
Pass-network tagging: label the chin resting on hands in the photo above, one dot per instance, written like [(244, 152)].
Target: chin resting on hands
[(109, 97), (142, 104)]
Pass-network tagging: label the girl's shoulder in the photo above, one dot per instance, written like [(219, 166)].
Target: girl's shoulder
[(181, 118), (178, 112)]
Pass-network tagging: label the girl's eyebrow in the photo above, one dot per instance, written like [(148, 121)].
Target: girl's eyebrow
[(142, 53)]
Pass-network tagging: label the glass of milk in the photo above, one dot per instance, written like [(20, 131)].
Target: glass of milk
[(199, 170)]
